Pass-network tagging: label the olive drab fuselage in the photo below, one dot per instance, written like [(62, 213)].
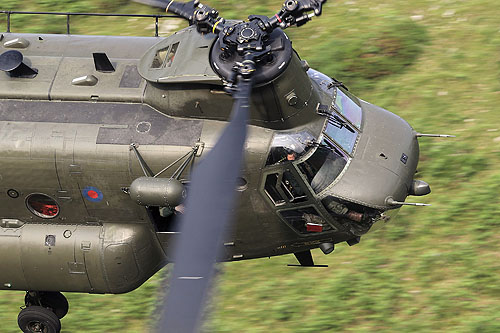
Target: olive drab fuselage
[(68, 221)]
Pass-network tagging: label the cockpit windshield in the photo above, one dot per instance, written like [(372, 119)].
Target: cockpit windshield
[(343, 102), (323, 81), (347, 107), (339, 131), (324, 166), (287, 147)]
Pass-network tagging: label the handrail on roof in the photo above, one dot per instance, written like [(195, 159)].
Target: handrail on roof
[(68, 15)]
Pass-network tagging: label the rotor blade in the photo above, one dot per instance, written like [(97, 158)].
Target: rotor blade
[(184, 9), (210, 201), (154, 3)]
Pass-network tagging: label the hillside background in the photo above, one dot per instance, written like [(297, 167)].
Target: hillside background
[(436, 63)]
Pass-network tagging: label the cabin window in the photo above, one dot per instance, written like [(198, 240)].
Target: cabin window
[(160, 57), (42, 205), (171, 55), (271, 189), (306, 220)]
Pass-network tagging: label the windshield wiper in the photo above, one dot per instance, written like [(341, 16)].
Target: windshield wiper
[(322, 145), (333, 119), (339, 122), (336, 83)]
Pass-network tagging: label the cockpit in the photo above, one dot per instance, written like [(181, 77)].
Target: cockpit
[(322, 160), (301, 167)]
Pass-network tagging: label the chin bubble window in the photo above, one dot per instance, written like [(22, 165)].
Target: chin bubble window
[(42, 205), (305, 220)]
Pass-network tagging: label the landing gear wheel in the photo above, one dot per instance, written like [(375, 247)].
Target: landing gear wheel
[(51, 300), (37, 319), (56, 302)]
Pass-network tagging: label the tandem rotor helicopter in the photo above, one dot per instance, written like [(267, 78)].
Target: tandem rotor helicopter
[(101, 138)]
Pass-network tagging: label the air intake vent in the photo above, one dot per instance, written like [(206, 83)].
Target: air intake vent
[(102, 63)]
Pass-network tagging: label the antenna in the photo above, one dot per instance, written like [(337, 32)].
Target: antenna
[(420, 135), (392, 202)]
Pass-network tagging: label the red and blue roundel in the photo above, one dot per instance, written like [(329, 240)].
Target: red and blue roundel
[(92, 194)]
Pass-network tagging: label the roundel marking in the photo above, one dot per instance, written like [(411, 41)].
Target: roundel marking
[(92, 194)]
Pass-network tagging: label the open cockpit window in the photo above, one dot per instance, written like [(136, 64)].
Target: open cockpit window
[(324, 166), (288, 147)]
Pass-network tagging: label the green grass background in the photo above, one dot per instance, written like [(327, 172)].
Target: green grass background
[(436, 63)]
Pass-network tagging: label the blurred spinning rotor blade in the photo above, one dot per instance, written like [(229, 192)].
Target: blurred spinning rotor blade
[(183, 9), (211, 199), (154, 3)]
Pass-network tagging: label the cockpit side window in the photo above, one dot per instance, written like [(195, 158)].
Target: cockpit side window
[(324, 166)]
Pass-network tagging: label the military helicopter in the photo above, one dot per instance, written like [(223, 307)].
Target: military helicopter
[(104, 137)]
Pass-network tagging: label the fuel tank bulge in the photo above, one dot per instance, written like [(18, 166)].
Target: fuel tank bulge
[(109, 258)]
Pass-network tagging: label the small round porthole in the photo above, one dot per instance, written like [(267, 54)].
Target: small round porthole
[(42, 205)]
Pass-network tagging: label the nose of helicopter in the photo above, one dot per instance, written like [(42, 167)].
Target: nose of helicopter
[(384, 163)]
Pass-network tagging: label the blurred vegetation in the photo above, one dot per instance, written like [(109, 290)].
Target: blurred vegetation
[(436, 63)]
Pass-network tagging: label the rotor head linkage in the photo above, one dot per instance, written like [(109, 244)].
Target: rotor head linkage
[(255, 39), (249, 35)]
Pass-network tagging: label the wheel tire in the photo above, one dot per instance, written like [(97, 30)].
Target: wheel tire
[(37, 319), (56, 302)]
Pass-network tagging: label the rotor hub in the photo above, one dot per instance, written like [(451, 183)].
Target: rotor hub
[(246, 34), (271, 53)]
